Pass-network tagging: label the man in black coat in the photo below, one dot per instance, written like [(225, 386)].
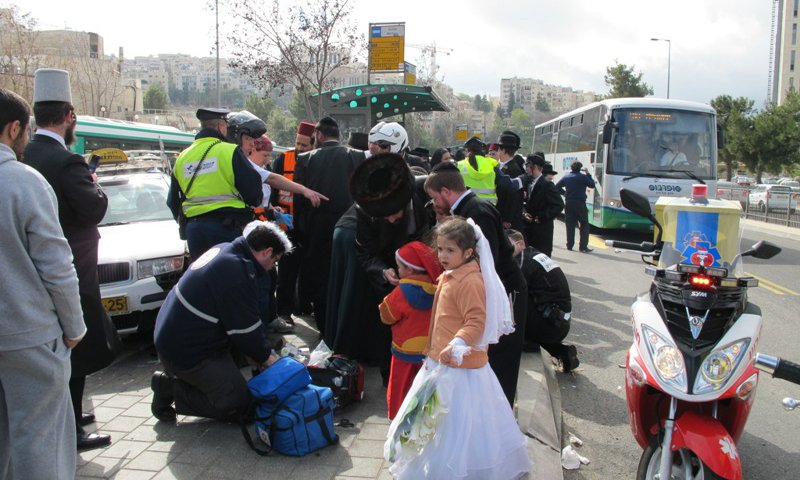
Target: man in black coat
[(510, 202), (445, 186), (327, 170), (542, 206), (81, 206), (390, 212)]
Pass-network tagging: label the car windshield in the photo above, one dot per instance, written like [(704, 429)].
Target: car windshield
[(136, 198), (663, 143)]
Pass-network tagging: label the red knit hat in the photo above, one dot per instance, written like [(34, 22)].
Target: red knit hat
[(305, 128), (420, 257)]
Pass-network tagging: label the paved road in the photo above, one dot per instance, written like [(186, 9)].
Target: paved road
[(593, 400)]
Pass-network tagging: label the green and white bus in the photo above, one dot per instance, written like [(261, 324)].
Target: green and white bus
[(656, 147), (94, 133)]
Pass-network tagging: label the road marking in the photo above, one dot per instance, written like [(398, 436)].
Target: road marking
[(772, 286), (597, 242)]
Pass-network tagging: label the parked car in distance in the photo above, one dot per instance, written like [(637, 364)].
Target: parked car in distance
[(743, 180), (772, 197), (733, 191), (793, 184), (141, 256)]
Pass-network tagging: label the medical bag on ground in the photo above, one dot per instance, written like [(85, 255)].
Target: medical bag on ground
[(300, 425), (276, 383), (342, 375)]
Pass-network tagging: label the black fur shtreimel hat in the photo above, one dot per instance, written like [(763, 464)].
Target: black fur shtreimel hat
[(382, 185)]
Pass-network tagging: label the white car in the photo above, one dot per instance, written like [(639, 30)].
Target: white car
[(141, 256), (772, 197)]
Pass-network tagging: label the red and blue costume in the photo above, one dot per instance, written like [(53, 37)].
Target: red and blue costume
[(408, 310)]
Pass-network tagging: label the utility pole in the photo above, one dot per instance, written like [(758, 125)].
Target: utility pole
[(216, 9)]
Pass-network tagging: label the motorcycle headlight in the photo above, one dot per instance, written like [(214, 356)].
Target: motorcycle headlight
[(158, 266), (719, 365), (667, 359)]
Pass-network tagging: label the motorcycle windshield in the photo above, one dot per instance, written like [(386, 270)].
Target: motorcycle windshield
[(707, 234)]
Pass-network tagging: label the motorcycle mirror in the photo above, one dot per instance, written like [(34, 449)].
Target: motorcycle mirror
[(762, 250), (608, 129), (636, 203)]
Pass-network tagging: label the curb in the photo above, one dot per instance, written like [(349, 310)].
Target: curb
[(774, 229), (539, 414)]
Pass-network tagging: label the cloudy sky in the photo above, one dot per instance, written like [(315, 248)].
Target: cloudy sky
[(718, 46)]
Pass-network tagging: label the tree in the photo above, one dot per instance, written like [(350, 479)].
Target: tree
[(259, 106), (769, 140), (730, 114), (522, 125), (155, 98), (624, 82), (299, 46), (19, 54), (541, 103), (512, 103), (281, 128)]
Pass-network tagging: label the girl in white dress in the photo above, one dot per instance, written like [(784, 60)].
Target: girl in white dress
[(455, 422)]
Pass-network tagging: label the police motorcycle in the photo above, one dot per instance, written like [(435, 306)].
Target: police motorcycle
[(689, 372), (783, 369)]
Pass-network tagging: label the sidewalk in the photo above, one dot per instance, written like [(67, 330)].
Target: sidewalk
[(143, 448), (782, 231)]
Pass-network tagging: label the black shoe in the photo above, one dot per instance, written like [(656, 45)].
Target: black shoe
[(86, 419), (569, 359), (530, 347), (587, 250), (569, 248), (162, 409), (88, 441)]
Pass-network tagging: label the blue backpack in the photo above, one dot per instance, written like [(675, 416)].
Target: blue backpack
[(291, 416)]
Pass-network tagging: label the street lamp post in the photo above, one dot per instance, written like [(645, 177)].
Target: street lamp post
[(669, 57)]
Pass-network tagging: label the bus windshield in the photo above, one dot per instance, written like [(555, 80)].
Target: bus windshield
[(663, 142)]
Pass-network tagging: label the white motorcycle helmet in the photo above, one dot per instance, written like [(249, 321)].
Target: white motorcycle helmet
[(392, 133)]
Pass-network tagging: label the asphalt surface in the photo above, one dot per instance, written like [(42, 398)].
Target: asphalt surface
[(603, 285)]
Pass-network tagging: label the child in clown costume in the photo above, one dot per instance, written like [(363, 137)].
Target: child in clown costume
[(408, 310)]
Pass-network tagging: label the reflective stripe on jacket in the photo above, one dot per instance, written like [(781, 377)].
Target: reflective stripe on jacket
[(214, 185), (286, 198)]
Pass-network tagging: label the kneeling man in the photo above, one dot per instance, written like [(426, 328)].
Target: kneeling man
[(213, 309)]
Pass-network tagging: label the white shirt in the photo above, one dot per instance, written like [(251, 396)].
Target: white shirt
[(458, 200), (51, 134), (265, 188)]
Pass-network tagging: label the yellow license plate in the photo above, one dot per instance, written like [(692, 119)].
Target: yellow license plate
[(116, 305)]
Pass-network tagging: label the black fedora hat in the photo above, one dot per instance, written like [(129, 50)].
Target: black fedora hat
[(536, 159), (508, 139), (548, 169), (382, 185), (358, 140)]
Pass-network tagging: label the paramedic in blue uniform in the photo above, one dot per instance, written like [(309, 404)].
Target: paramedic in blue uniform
[(213, 308)]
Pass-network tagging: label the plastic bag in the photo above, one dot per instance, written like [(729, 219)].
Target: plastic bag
[(320, 355)]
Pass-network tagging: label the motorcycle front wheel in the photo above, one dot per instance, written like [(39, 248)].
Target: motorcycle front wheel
[(685, 465)]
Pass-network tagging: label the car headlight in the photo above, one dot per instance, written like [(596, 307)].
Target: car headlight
[(159, 266), (667, 359), (719, 365)]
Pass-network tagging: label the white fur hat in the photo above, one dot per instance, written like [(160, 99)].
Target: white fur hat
[(51, 85)]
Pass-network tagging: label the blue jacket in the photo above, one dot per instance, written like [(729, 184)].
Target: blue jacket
[(213, 306), (575, 185)]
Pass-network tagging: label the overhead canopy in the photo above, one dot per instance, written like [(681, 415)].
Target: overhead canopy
[(361, 106)]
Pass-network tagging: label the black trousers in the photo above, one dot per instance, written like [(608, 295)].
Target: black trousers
[(212, 389), (577, 214), (540, 236), (506, 354), (288, 273)]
